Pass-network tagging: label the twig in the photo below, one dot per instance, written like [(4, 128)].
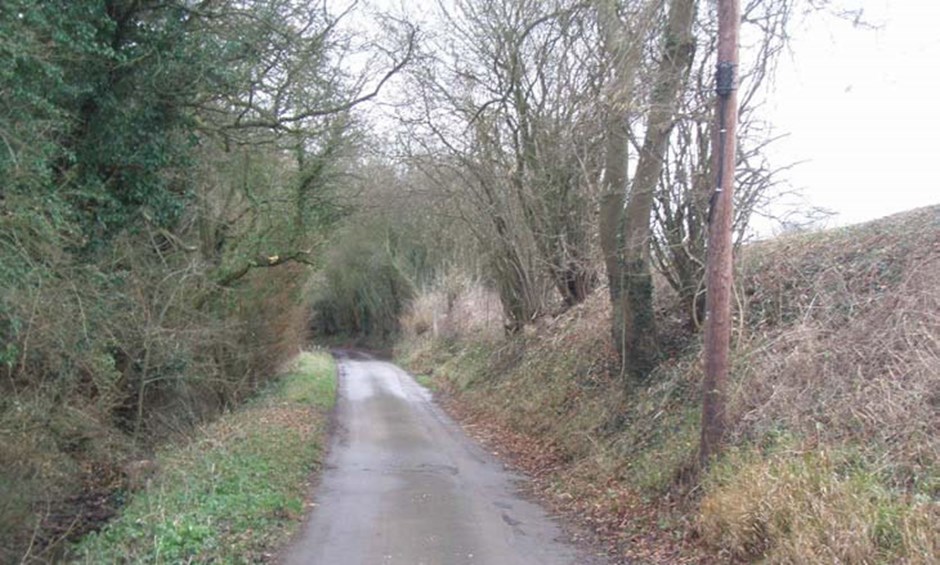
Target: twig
[(32, 539), (29, 327)]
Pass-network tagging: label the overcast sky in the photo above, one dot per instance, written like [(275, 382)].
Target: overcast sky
[(862, 107)]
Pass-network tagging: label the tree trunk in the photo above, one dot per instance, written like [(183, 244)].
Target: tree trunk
[(621, 49), (513, 284), (572, 280), (630, 274)]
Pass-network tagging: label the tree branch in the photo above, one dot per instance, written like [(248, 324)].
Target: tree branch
[(229, 277)]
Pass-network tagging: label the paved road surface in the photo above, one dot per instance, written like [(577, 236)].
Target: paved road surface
[(403, 485)]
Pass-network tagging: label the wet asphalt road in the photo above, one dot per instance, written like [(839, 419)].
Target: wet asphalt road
[(404, 485)]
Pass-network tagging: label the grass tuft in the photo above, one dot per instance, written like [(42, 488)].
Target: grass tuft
[(813, 507)]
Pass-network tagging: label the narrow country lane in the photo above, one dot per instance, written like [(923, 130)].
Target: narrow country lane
[(404, 485)]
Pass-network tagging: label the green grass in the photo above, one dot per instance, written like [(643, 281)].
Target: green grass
[(235, 493), (312, 381), (427, 381)]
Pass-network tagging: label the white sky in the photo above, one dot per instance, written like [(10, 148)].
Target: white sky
[(863, 108)]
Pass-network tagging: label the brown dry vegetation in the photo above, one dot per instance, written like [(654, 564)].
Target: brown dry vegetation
[(72, 414), (157, 234), (833, 455)]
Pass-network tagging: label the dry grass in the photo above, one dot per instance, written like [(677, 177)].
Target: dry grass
[(458, 309), (813, 507), (840, 356), (843, 343), (836, 384), (554, 390)]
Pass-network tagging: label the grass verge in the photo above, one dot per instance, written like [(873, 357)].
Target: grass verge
[(235, 493)]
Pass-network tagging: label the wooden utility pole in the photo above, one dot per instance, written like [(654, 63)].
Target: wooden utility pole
[(719, 261)]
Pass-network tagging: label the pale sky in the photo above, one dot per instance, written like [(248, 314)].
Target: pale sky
[(863, 107)]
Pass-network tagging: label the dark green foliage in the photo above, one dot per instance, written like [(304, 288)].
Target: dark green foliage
[(364, 290), (149, 152), (96, 114)]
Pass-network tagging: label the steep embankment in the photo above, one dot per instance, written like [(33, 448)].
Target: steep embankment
[(835, 389)]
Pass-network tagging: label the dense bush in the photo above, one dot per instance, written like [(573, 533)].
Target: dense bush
[(162, 196), (362, 291)]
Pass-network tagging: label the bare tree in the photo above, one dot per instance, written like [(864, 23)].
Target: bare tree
[(508, 111), (682, 200), (280, 127)]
